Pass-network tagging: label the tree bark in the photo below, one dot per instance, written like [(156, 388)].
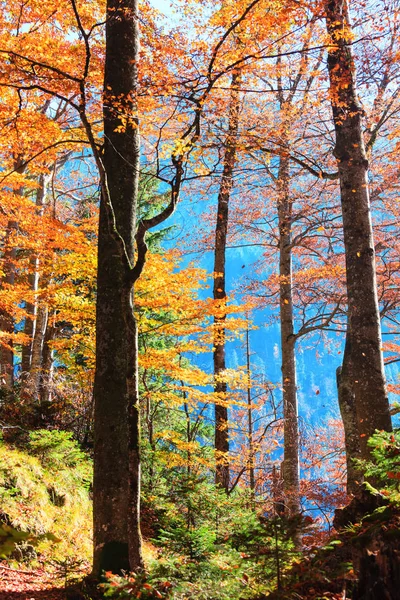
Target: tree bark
[(33, 280), (6, 320), (134, 433), (219, 291), (346, 400), (35, 372), (370, 397), (116, 499), (251, 462), (9, 269), (46, 375), (290, 411)]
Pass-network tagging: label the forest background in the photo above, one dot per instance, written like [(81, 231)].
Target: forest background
[(240, 298)]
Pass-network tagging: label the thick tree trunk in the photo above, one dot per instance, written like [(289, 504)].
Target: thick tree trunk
[(375, 548), (370, 397), (33, 280), (376, 561), (346, 400), (116, 502), (221, 230), (291, 433)]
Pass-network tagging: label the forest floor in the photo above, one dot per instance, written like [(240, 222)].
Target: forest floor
[(27, 584)]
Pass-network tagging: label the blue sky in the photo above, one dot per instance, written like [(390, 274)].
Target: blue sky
[(162, 5)]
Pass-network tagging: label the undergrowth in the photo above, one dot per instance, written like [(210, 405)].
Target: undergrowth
[(44, 497)]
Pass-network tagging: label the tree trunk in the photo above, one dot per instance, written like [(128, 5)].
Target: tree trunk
[(46, 375), (9, 269), (150, 436), (37, 351), (221, 230), (132, 379), (378, 567), (188, 435), (6, 320), (291, 433), (376, 548), (33, 280), (347, 410), (370, 397), (116, 502), (252, 479)]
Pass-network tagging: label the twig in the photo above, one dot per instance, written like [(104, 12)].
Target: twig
[(18, 570)]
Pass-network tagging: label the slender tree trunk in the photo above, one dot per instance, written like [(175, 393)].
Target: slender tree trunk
[(150, 435), (116, 487), (35, 372), (6, 320), (30, 319), (290, 413), (9, 269), (221, 230), (46, 375), (370, 397), (33, 280), (189, 453), (346, 400), (188, 431), (250, 420)]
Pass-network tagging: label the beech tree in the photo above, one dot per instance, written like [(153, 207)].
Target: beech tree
[(116, 496), (219, 289), (291, 228), (364, 334)]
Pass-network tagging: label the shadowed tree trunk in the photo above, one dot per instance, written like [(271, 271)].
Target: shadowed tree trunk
[(370, 397), (9, 270), (344, 381), (221, 230), (6, 320), (116, 488)]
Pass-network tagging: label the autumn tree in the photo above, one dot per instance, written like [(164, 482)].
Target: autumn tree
[(364, 337), (290, 228), (219, 288)]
